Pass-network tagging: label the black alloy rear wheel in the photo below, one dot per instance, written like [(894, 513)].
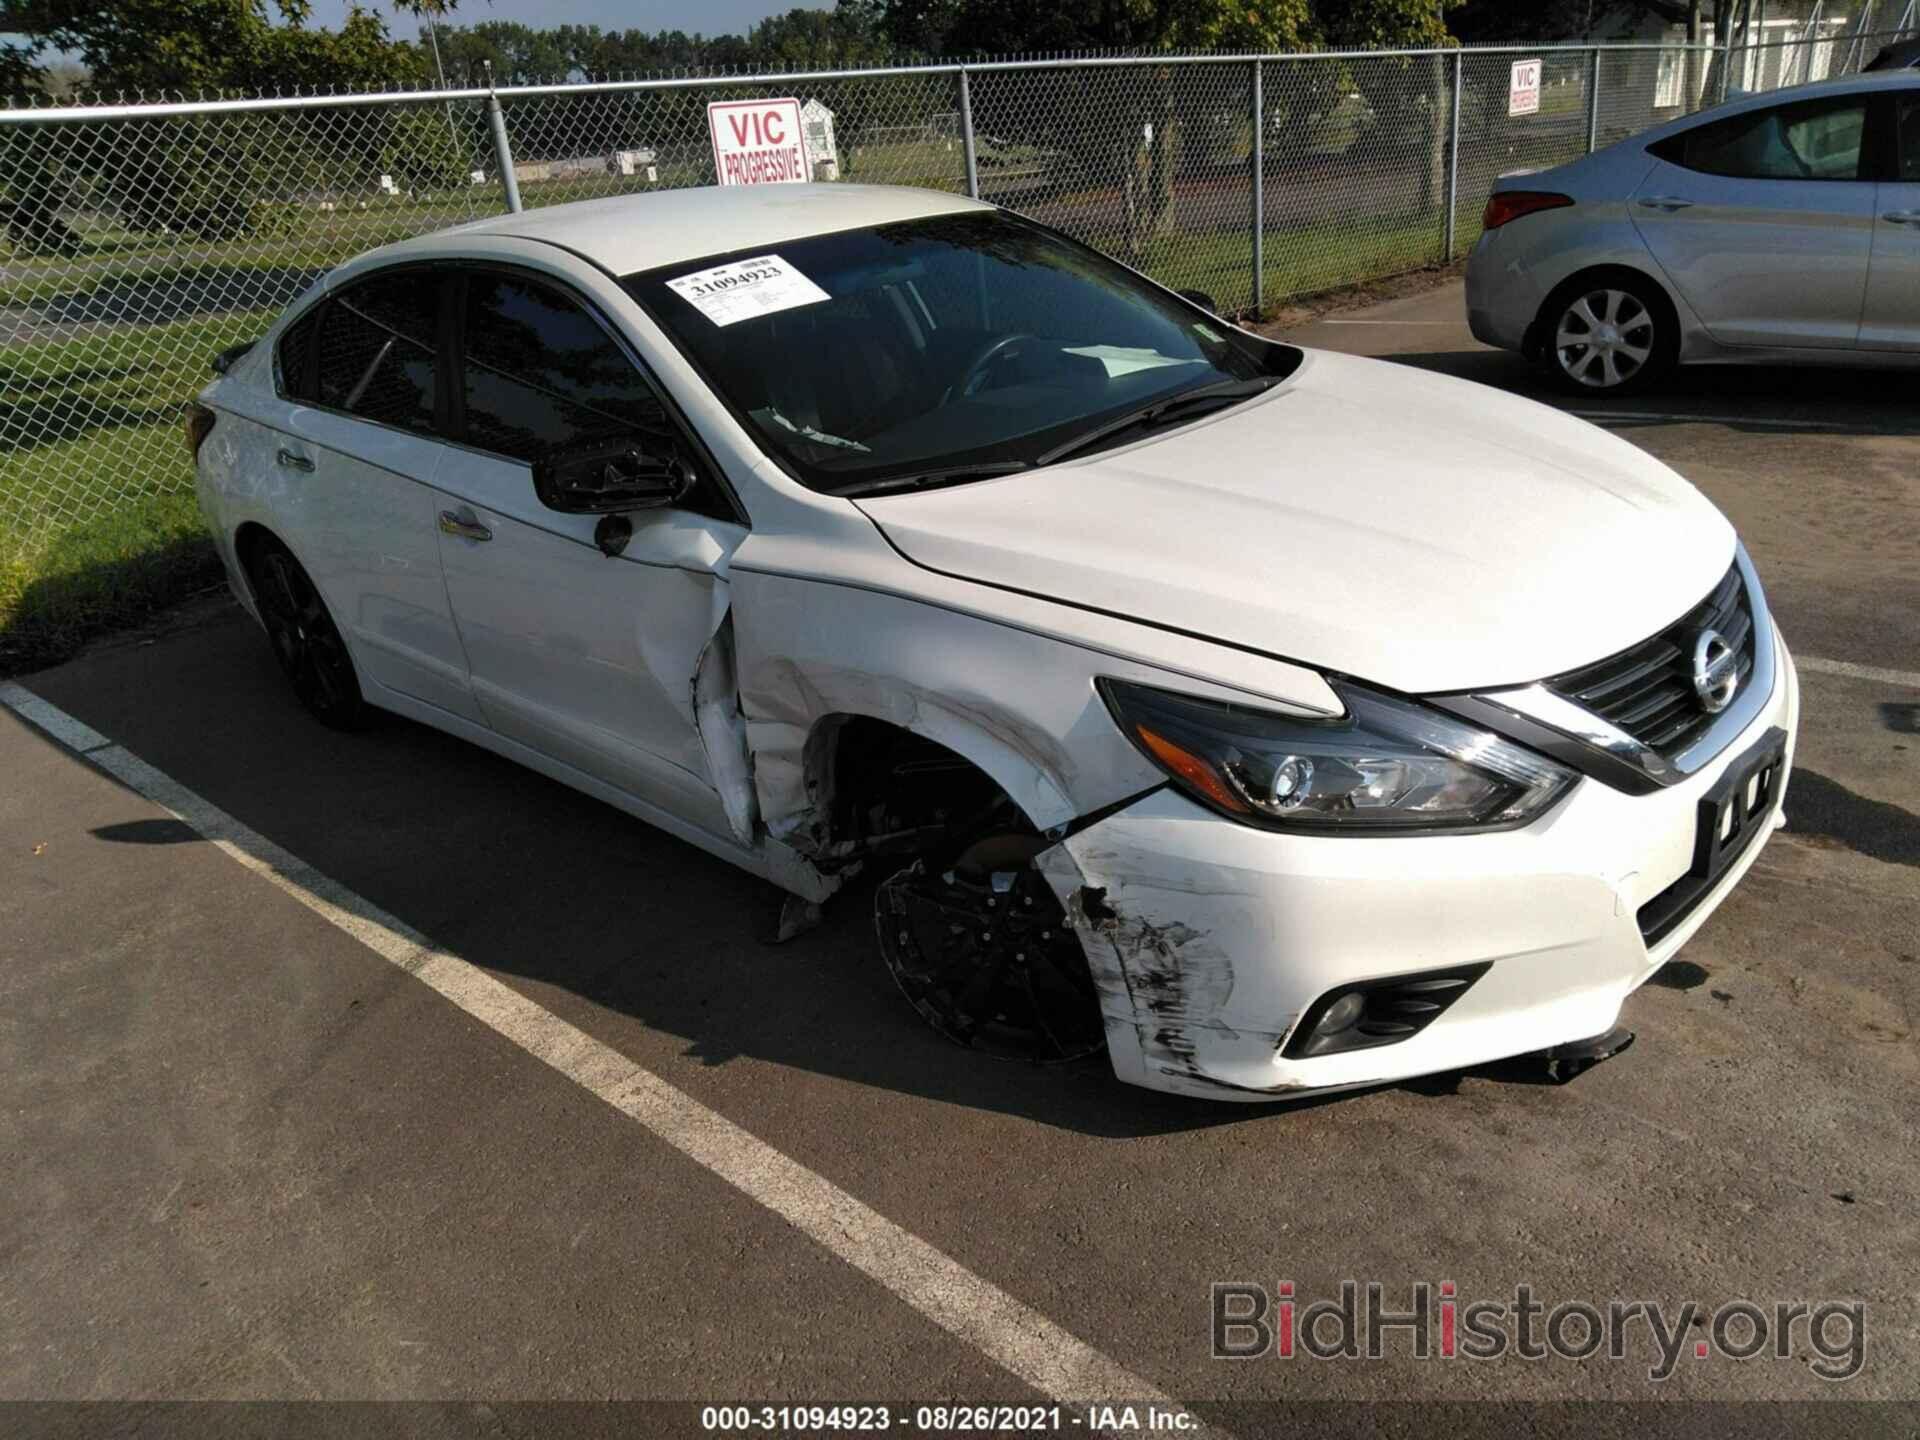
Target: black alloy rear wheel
[(306, 642)]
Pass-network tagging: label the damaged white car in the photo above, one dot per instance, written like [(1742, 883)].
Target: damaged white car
[(1273, 719)]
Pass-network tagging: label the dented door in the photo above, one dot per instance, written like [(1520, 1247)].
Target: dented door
[(589, 659), (589, 656)]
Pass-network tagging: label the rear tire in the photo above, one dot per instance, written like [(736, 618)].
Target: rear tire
[(1610, 333), (311, 651)]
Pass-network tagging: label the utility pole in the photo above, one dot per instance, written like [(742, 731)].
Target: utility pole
[(440, 71)]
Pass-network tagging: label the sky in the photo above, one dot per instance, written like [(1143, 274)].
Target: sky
[(696, 17), (704, 17)]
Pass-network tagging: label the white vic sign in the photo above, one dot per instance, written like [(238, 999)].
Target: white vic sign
[(1523, 88), (757, 142)]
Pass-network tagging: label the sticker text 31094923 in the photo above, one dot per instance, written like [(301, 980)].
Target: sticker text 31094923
[(727, 294)]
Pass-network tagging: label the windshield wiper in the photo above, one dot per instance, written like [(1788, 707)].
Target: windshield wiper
[(932, 479), (1162, 411)]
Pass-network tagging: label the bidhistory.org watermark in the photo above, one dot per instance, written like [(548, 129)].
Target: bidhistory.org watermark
[(1428, 1321)]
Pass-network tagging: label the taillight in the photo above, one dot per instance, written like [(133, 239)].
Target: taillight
[(1508, 205), (199, 426)]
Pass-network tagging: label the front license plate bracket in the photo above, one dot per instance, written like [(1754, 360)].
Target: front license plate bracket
[(1730, 818)]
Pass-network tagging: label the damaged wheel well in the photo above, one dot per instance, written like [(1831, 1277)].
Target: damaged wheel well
[(248, 538), (880, 789)]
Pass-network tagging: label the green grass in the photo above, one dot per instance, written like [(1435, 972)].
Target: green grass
[(110, 412), (112, 258), (1299, 260), (61, 588), (931, 164)]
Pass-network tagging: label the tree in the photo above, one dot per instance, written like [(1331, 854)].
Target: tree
[(191, 45), (1487, 22), (846, 37), (1001, 27), (200, 175), (518, 54)]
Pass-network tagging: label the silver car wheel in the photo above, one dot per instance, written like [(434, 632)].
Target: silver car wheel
[(1604, 338)]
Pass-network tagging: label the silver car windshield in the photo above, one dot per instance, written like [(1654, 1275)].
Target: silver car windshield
[(945, 349)]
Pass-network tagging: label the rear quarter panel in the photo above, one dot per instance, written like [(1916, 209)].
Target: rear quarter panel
[(1538, 253)]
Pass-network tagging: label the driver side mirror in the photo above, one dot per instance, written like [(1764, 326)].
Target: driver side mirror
[(1200, 298), (603, 477)]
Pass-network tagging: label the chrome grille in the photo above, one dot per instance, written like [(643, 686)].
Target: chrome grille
[(1647, 689)]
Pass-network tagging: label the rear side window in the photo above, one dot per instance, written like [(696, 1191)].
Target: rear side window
[(295, 356), (1907, 127), (377, 354), (1824, 140), (540, 374)]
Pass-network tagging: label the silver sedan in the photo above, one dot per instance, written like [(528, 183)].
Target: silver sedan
[(1776, 228)]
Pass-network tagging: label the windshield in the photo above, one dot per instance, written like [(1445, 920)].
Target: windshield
[(927, 349)]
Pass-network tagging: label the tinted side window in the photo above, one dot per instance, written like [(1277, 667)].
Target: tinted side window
[(1820, 141), (295, 356), (1907, 126), (377, 352), (540, 374)]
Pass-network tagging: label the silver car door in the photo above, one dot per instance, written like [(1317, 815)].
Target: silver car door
[(1891, 320), (1763, 224), (593, 660), (352, 471)]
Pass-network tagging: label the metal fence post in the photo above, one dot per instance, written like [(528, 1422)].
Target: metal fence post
[(1259, 192), (502, 152), (966, 135), (1593, 104), (1453, 152)]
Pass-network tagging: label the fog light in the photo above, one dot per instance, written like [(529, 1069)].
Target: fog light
[(1341, 1015), (1379, 1012)]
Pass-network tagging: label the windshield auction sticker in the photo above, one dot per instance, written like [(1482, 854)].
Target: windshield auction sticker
[(728, 294)]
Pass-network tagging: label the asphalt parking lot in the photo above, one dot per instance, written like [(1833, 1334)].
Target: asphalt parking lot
[(393, 1071)]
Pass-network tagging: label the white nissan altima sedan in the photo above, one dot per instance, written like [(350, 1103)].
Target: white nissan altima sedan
[(1277, 720)]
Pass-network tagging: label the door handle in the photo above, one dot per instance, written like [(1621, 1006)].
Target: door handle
[(295, 462), (463, 526), (1902, 217), (1663, 202)]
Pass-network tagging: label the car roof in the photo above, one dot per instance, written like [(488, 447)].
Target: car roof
[(1845, 85), (625, 233), (1738, 103)]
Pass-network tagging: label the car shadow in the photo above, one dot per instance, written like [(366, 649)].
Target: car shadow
[(1756, 399), (105, 574), (560, 893), (1827, 812)]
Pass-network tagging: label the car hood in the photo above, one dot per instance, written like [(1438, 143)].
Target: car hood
[(1364, 518)]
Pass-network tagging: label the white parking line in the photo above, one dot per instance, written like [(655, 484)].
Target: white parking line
[(56, 722), (1013, 1335), (1454, 323), (1909, 678)]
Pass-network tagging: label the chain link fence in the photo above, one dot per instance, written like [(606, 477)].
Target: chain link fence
[(141, 239)]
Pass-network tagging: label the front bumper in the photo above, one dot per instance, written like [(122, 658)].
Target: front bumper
[(1209, 939)]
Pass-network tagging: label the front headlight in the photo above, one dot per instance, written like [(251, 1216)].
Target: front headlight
[(1387, 765)]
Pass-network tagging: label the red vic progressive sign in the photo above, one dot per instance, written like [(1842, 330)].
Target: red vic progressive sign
[(757, 142)]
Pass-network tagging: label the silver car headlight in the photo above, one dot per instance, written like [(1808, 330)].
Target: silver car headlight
[(1388, 765)]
